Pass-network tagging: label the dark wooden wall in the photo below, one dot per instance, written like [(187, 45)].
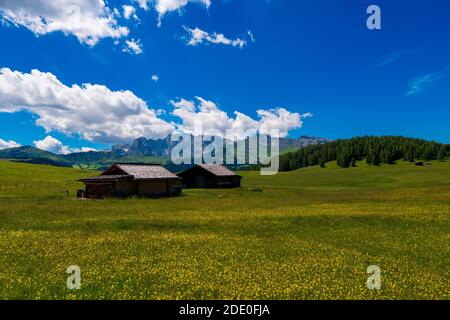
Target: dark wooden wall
[(200, 178), (126, 188)]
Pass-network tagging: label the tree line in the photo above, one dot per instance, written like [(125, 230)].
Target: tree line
[(374, 150)]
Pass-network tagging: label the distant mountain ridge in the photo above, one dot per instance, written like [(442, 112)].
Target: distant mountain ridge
[(301, 142), (163, 147), (141, 150), (145, 147)]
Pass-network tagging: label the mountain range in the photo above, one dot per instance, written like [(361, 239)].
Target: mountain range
[(141, 150), (163, 147)]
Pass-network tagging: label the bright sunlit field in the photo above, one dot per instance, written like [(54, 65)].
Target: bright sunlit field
[(308, 234)]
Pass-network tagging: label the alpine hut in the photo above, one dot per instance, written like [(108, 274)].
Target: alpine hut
[(123, 180), (210, 176)]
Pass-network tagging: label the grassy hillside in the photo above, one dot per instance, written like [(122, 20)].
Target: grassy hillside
[(310, 234), (83, 160), (27, 152), (33, 155)]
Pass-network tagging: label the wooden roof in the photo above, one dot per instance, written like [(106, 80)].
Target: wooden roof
[(216, 169), (142, 172), (107, 178)]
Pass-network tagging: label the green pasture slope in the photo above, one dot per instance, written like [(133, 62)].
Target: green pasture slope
[(309, 234)]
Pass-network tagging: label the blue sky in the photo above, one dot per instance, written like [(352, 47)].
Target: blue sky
[(303, 56)]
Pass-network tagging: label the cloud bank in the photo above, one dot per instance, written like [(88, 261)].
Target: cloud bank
[(96, 113), (89, 21), (8, 144), (55, 146), (93, 112), (213, 118)]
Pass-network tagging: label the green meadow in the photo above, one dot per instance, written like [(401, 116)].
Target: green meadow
[(307, 234)]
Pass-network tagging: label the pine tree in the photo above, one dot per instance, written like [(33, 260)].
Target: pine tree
[(410, 156), (427, 155), (323, 162), (375, 159), (343, 161), (369, 157), (442, 154), (292, 165)]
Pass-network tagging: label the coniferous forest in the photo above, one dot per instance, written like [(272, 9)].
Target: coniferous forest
[(373, 150)]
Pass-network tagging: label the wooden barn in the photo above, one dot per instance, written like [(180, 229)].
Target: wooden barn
[(123, 180), (210, 176)]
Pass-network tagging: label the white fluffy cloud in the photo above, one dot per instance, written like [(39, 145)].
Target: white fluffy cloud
[(8, 144), (96, 113), (84, 149), (212, 118), (128, 11), (55, 146), (88, 20), (206, 112), (198, 36), (133, 47), (155, 78), (93, 112), (165, 6)]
